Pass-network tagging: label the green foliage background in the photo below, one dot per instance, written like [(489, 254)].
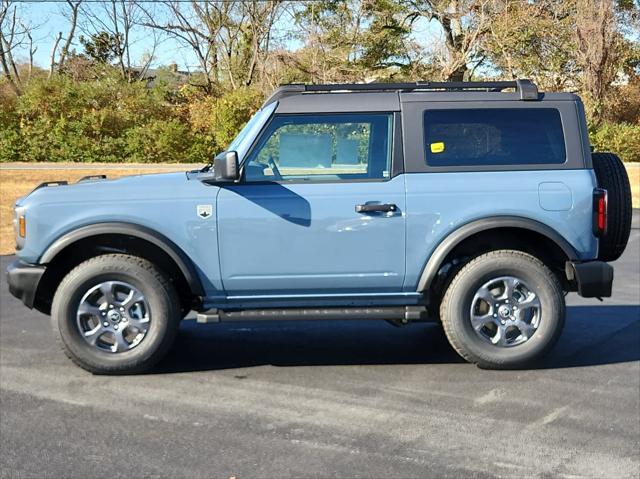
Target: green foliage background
[(111, 120), (94, 107)]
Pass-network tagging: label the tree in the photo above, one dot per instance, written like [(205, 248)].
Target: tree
[(348, 41), (599, 52), (535, 40), (11, 33), (73, 21), (464, 24), (247, 40), (115, 21), (386, 46), (230, 39), (196, 26), (68, 40), (102, 47)]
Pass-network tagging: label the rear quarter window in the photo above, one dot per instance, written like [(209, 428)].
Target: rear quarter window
[(494, 136)]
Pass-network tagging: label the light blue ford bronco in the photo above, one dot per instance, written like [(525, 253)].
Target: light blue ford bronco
[(477, 205)]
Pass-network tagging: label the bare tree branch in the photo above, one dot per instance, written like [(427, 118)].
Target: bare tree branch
[(32, 51), (52, 61), (7, 32), (75, 6)]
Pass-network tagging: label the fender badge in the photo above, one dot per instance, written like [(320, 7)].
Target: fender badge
[(204, 211)]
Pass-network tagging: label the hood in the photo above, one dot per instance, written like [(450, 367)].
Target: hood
[(127, 188)]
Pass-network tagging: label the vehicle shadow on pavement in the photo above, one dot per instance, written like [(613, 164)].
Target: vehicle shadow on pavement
[(597, 335), (593, 335)]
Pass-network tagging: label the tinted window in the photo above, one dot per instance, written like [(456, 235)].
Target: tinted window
[(323, 147), (493, 136)]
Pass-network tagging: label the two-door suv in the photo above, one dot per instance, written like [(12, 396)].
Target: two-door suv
[(479, 205)]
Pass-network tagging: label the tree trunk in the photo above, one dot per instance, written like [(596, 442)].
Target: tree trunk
[(52, 61), (72, 30)]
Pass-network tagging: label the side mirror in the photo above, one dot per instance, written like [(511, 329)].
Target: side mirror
[(225, 167)]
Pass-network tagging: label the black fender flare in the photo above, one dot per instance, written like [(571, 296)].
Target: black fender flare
[(183, 262), (434, 261)]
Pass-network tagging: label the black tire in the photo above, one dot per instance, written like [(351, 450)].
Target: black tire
[(158, 292), (455, 309), (612, 176)]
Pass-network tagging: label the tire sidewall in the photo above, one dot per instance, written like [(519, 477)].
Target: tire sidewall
[(545, 287), (611, 175), (89, 274)]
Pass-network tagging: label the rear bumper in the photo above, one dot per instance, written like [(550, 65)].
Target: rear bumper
[(23, 280), (593, 279)]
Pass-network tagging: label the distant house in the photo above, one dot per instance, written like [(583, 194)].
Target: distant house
[(170, 74)]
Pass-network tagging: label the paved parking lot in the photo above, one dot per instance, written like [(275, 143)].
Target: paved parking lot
[(336, 399)]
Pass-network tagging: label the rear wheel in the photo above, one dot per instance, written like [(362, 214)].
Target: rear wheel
[(612, 176), (503, 310), (115, 314)]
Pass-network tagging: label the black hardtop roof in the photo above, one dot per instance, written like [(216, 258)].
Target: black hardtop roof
[(525, 89)]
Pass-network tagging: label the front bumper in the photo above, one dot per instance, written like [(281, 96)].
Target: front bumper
[(593, 279), (23, 280)]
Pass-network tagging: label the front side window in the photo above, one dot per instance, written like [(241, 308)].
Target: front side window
[(493, 136), (323, 148)]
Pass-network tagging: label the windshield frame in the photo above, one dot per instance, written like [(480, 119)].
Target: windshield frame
[(243, 141)]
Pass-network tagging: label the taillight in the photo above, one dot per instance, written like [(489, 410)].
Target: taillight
[(599, 212)]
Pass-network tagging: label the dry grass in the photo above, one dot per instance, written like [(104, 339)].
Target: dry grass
[(17, 183), (634, 178)]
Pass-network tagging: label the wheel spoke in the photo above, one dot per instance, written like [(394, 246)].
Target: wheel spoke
[(500, 338), (107, 291), (531, 301), (142, 325), (133, 298), (89, 309), (526, 329), (121, 343), (510, 286), (93, 335), (478, 321), (485, 295)]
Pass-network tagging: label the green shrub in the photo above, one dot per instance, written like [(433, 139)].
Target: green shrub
[(221, 118), (10, 144), (164, 141), (60, 119), (102, 118), (62, 97), (622, 139), (66, 140)]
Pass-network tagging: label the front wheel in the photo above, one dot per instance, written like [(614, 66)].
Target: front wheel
[(503, 310), (115, 314)]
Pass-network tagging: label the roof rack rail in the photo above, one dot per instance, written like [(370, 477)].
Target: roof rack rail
[(92, 178), (526, 88), (50, 183)]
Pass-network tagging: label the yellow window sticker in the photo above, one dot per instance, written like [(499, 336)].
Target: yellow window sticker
[(437, 147)]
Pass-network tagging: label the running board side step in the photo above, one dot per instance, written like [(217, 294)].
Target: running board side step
[(396, 314)]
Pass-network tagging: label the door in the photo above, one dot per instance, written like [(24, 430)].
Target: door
[(317, 211)]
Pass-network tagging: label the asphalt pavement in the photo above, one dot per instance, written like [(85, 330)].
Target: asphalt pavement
[(329, 399)]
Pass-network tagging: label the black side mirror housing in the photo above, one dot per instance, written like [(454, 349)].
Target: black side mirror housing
[(226, 167)]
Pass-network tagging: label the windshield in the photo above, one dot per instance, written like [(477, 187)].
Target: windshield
[(242, 142)]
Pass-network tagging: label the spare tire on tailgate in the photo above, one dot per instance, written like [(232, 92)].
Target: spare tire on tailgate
[(612, 176)]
